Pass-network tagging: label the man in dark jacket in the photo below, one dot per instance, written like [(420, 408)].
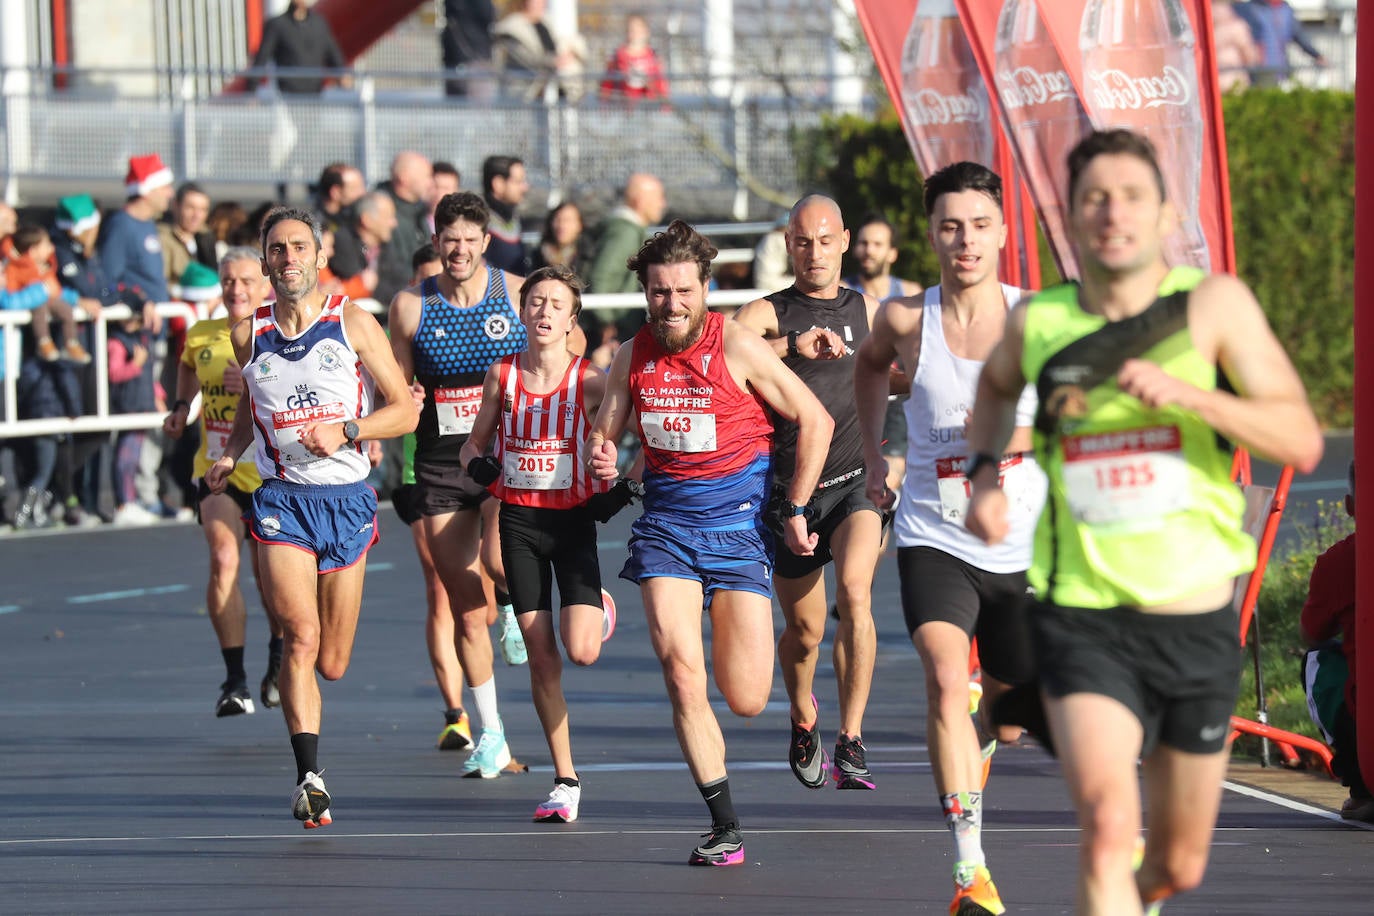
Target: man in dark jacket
[(300, 38)]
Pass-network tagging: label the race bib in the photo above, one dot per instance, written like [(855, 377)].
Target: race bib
[(1013, 475), (679, 432), (287, 426), (524, 470), (1133, 475), (456, 409), (216, 437)]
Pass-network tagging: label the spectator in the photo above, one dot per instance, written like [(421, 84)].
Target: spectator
[(410, 187), (1329, 613), (132, 390), (1237, 53), (634, 71), (300, 38), (504, 186), (530, 58), (1275, 26), (618, 237), (30, 267), (772, 266), (447, 180), (250, 233), (224, 218), (130, 246), (184, 236), (563, 242), (466, 46), (358, 245), (337, 190)]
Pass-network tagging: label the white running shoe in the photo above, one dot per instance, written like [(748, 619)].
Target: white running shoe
[(491, 755), (607, 615), (310, 802), (560, 806)]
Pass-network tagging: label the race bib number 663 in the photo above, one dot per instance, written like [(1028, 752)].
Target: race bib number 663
[(679, 431)]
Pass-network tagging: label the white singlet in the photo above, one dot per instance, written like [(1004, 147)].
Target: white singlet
[(934, 497)]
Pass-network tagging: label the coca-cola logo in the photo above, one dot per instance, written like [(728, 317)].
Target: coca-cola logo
[(1028, 86), (929, 106), (1118, 90)]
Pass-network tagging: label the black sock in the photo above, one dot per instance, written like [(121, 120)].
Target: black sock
[(502, 597), (305, 746), (233, 665), (567, 781), (274, 649), (717, 795), (451, 716)]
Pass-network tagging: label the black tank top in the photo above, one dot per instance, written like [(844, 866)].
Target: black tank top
[(831, 380)]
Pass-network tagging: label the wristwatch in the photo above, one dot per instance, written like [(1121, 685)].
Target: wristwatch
[(350, 431), (791, 509), (792, 344)]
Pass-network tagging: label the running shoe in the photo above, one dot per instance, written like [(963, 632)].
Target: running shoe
[(975, 693), (456, 736), (234, 700), (607, 615), (512, 643), (271, 696), (560, 806), (1154, 909), (805, 754), (850, 769), (310, 802), (724, 845), (974, 892), (490, 756)]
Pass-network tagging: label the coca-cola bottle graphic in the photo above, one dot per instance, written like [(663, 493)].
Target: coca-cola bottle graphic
[(943, 94), (1139, 72), (1043, 115)]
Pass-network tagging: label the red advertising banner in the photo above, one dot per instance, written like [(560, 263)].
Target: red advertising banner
[(1144, 64), (945, 107)]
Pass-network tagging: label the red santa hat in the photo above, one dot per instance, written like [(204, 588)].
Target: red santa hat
[(146, 173)]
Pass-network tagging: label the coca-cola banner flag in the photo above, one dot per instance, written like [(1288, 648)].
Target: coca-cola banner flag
[(1149, 65), (943, 102)]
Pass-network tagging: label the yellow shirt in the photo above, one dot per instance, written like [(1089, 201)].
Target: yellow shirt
[(208, 351)]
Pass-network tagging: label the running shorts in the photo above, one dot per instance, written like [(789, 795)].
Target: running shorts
[(336, 523), (539, 545)]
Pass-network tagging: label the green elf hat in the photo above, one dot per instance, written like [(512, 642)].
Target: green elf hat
[(198, 284), (77, 213)]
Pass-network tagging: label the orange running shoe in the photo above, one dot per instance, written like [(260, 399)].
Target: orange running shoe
[(974, 893)]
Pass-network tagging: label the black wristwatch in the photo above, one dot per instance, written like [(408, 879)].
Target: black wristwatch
[(979, 461), (791, 509), (792, 344), (350, 431)]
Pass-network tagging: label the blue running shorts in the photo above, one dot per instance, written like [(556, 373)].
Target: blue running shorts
[(733, 560), (336, 523)]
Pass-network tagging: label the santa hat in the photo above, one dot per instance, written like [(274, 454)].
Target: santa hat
[(146, 173), (198, 284), (77, 213)]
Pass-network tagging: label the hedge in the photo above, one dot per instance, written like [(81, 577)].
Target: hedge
[(1292, 167)]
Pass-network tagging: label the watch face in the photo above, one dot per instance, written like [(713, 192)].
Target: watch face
[(350, 430)]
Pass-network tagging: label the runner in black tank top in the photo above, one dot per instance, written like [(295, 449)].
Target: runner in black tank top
[(816, 326)]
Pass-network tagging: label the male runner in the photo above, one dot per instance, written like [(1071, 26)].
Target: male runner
[(815, 325), (208, 368), (1142, 536), (953, 585), (701, 388), (446, 332), (875, 252), (310, 363)]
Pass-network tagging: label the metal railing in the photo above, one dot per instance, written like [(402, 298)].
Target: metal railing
[(101, 420)]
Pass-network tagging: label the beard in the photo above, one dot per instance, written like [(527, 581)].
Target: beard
[(674, 340)]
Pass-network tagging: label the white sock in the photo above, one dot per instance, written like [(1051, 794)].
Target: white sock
[(484, 698)]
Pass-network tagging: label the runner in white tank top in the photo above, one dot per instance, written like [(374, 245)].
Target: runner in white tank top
[(310, 362), (954, 587)]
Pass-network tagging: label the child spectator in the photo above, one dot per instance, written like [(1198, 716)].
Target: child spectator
[(132, 390), (1329, 613), (30, 265), (634, 71)]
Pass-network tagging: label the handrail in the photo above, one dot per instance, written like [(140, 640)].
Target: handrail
[(101, 420)]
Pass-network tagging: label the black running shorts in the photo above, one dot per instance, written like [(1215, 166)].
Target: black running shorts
[(830, 506), (241, 499), (990, 606), (1178, 673), (539, 545), (443, 487)]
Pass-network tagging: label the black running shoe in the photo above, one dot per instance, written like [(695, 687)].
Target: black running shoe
[(850, 769), (271, 696), (724, 845), (806, 756), (234, 700)]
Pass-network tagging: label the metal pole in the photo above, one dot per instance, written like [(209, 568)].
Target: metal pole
[(1364, 392)]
